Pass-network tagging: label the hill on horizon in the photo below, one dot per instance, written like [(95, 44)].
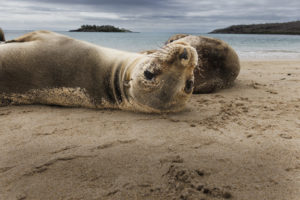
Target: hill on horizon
[(103, 28), (287, 28)]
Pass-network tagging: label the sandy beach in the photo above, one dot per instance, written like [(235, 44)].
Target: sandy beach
[(241, 143)]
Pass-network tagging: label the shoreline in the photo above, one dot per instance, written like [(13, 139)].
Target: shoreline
[(281, 59), (247, 46), (269, 60)]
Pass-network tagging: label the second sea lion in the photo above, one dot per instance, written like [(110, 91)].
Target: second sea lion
[(218, 64)]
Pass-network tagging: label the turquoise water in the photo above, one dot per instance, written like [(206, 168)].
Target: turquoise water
[(247, 46)]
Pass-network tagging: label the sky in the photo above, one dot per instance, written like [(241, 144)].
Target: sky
[(144, 15)]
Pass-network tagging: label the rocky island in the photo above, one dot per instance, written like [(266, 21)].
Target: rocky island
[(103, 28), (288, 28)]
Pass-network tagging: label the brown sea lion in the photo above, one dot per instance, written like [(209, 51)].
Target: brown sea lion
[(218, 64), (44, 67)]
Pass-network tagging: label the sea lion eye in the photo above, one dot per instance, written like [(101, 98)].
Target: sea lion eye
[(189, 86), (184, 55), (148, 75), (171, 41)]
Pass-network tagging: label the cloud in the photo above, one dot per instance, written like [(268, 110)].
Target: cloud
[(101, 15), (144, 15)]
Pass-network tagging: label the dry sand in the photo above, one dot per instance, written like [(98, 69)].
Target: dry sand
[(241, 143)]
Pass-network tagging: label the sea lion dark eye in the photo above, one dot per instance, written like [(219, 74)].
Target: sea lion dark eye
[(148, 75), (171, 41), (184, 55), (189, 86)]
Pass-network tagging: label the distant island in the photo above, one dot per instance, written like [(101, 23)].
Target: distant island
[(288, 28), (104, 28)]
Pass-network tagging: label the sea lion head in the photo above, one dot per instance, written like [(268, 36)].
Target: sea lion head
[(164, 81)]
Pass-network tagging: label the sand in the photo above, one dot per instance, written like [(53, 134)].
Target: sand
[(240, 143)]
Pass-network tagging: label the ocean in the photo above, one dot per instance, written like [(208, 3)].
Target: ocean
[(248, 46)]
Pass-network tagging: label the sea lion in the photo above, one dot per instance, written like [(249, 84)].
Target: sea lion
[(218, 64), (44, 67)]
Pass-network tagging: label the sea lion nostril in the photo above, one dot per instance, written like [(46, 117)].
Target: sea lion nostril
[(189, 86), (184, 54)]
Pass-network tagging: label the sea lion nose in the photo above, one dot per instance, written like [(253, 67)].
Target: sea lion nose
[(189, 86), (184, 54)]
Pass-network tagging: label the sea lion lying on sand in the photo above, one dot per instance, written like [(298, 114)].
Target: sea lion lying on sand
[(44, 67)]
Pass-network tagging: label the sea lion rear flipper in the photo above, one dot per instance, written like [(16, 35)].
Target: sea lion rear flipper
[(2, 38), (29, 37)]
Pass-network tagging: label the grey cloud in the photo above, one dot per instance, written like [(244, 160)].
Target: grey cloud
[(144, 15)]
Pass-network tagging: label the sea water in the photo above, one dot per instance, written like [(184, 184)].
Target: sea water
[(248, 46)]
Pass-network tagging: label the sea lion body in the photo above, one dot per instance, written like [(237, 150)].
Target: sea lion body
[(218, 64), (43, 67)]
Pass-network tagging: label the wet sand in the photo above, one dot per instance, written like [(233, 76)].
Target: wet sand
[(240, 143)]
